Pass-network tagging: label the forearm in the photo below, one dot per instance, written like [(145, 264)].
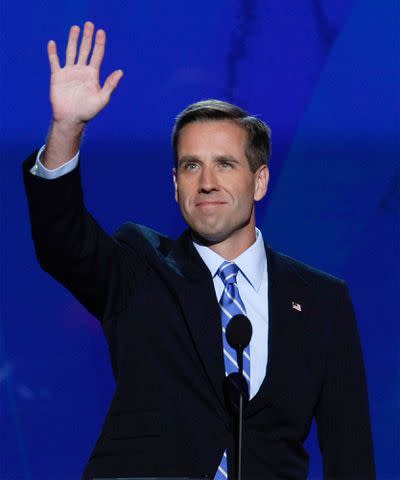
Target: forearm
[(62, 144), (69, 243), (55, 208)]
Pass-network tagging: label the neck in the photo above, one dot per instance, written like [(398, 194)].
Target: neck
[(231, 249), (234, 245)]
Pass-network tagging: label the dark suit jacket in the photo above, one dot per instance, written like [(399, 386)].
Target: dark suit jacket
[(156, 302)]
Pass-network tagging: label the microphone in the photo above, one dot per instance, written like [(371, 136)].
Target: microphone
[(238, 334)]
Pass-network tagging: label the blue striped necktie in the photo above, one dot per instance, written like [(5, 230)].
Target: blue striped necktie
[(231, 304)]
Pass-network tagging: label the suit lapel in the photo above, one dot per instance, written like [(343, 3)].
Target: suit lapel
[(288, 302), (195, 293)]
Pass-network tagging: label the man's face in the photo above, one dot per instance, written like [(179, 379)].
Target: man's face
[(214, 186)]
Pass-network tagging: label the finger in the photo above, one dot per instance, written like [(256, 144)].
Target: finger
[(53, 57), (111, 83), (86, 43), (71, 46), (98, 51)]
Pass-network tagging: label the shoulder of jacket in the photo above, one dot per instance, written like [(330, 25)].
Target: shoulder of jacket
[(135, 235), (310, 275)]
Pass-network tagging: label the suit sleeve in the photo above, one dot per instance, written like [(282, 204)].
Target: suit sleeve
[(98, 269), (342, 412)]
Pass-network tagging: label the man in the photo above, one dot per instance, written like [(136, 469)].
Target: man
[(163, 303)]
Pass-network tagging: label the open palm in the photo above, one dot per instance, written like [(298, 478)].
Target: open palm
[(75, 92)]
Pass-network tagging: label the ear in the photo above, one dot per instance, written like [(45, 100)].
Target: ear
[(174, 177), (261, 182)]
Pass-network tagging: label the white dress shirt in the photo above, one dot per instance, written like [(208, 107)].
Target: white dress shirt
[(252, 282)]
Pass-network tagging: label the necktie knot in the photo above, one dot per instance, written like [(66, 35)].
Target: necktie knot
[(228, 272)]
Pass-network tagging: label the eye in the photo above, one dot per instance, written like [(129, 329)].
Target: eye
[(188, 165), (225, 164), (191, 165)]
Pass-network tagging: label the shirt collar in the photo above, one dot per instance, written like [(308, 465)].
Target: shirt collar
[(251, 262)]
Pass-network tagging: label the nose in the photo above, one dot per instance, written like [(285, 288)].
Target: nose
[(208, 181)]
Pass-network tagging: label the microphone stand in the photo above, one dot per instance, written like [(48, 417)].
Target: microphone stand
[(238, 335), (237, 393), (240, 418)]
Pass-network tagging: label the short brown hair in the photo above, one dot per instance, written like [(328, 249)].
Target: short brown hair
[(258, 148)]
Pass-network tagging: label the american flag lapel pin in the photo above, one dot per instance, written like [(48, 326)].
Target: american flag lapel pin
[(296, 306)]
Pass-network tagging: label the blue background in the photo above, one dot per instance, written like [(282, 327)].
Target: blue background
[(324, 74)]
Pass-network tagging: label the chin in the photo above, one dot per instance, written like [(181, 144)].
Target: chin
[(219, 232), (209, 236)]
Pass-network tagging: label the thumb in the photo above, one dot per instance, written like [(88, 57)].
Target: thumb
[(111, 83)]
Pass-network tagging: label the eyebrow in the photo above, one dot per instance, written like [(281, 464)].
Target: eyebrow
[(187, 159), (217, 158)]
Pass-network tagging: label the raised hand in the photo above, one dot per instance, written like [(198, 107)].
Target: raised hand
[(75, 92)]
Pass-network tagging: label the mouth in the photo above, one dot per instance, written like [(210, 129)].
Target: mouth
[(209, 203), (206, 202)]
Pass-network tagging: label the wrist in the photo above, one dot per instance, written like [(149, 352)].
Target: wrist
[(63, 143), (67, 128)]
